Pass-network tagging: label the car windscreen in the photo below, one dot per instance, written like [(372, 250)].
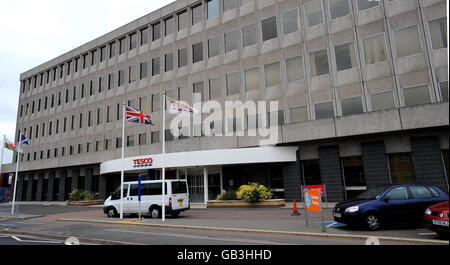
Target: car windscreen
[(372, 194), (179, 187)]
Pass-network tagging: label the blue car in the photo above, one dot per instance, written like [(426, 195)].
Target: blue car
[(388, 204)]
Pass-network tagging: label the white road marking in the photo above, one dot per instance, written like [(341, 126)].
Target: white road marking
[(426, 234), (332, 224), (34, 241)]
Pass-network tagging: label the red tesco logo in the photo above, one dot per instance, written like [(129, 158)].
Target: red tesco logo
[(143, 162)]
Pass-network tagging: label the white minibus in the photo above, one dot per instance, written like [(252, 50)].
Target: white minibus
[(176, 198)]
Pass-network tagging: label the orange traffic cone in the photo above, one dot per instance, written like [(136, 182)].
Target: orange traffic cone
[(296, 212)]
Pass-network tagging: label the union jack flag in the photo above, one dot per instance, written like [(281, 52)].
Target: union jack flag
[(137, 116)]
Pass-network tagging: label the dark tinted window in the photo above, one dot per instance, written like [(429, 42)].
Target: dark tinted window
[(152, 189), (179, 187), (197, 50), (373, 193), (116, 195), (399, 193), (420, 192), (134, 190), (434, 192)]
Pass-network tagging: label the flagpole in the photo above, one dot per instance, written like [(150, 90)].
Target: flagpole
[(1, 158), (16, 176), (164, 157), (122, 161)]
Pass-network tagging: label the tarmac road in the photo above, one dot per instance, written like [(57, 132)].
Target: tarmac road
[(26, 241), (46, 223)]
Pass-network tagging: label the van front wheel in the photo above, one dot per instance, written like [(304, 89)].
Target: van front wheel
[(155, 212), (112, 212)]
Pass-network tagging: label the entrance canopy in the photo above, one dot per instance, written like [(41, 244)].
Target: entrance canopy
[(204, 158)]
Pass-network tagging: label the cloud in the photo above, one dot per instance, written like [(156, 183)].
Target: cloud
[(34, 32)]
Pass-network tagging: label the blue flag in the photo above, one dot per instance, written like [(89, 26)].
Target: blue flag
[(24, 140)]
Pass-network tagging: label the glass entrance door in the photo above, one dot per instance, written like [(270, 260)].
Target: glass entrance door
[(213, 182), (196, 185)]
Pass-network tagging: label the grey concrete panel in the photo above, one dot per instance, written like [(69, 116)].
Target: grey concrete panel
[(428, 162), (331, 173), (375, 163), (39, 189)]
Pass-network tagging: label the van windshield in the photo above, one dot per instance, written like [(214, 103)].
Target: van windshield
[(179, 187)]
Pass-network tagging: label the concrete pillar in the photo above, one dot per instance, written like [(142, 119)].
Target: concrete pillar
[(68, 189), (40, 185), (30, 186), (57, 180), (51, 181), (102, 187), (292, 180), (428, 162), (19, 187), (205, 184), (331, 173), (221, 181), (62, 185), (376, 168), (75, 175), (88, 179)]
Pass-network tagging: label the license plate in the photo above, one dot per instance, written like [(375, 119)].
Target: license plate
[(338, 215), (440, 223), (181, 202)]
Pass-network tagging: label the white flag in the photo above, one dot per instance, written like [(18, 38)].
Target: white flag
[(175, 107)]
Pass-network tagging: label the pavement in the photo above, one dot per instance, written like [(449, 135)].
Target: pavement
[(278, 221)]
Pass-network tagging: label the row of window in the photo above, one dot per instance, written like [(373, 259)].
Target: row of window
[(272, 74), (96, 146), (353, 105), (407, 40), (407, 43)]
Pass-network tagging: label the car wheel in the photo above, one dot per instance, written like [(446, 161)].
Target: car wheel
[(372, 221), (155, 212), (111, 212), (175, 214)]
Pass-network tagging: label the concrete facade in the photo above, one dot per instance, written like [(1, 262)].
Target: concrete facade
[(74, 122)]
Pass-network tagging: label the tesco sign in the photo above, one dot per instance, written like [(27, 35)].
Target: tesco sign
[(145, 162)]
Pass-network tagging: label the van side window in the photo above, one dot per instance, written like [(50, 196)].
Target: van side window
[(134, 190), (155, 189)]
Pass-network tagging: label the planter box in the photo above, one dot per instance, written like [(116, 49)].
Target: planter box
[(97, 202), (244, 204)]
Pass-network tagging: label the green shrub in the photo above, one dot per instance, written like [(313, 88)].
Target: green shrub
[(227, 196), (81, 195), (253, 192)]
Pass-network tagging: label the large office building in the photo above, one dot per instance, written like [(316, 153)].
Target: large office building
[(361, 86)]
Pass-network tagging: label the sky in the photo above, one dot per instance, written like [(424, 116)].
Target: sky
[(34, 32)]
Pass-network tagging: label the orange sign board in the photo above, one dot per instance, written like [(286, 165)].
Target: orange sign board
[(312, 200)]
